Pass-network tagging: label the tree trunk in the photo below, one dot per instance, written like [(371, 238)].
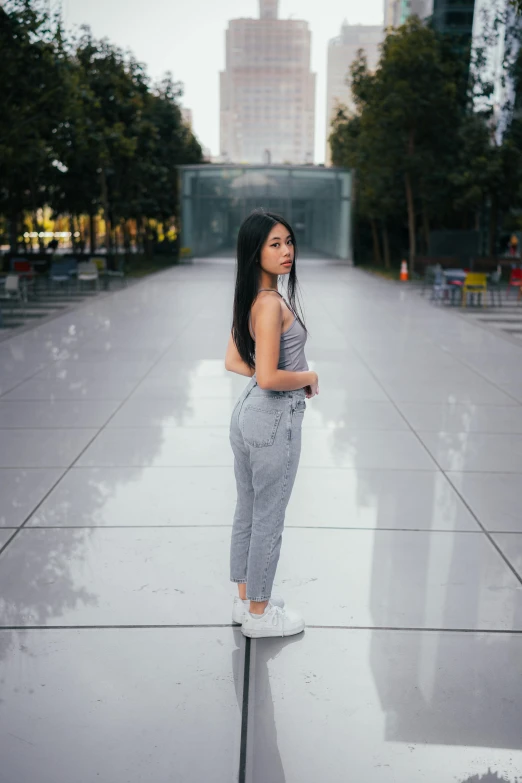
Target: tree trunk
[(140, 234), (115, 239), (426, 227), (13, 225), (149, 240), (411, 220), (27, 242), (377, 258), (72, 230), (493, 220), (106, 209), (39, 229), (92, 233), (126, 236), (386, 246), (80, 228)]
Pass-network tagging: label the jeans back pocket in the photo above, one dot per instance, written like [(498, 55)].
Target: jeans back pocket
[(259, 425)]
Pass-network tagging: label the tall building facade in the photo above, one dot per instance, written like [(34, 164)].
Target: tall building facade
[(454, 16), (449, 16), (500, 58), (267, 91), (342, 51), (397, 11)]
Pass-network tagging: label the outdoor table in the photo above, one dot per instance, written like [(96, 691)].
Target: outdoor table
[(455, 278), (457, 275)]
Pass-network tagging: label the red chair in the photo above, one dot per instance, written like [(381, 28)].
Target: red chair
[(25, 272), (23, 269), (515, 281)]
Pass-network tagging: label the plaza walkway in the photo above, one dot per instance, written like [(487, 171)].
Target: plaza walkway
[(402, 548)]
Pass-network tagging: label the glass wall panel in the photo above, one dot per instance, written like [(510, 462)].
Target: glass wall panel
[(315, 200)]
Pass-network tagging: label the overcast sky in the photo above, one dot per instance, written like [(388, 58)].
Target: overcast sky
[(187, 37)]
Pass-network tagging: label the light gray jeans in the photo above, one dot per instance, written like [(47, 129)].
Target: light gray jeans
[(265, 435)]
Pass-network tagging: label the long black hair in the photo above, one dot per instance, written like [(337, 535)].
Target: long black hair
[(251, 238)]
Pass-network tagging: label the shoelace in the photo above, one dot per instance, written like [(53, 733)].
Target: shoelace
[(279, 613)]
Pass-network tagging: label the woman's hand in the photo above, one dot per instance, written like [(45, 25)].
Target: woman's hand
[(313, 388)]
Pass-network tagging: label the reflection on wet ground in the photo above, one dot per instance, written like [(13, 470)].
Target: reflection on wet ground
[(403, 547)]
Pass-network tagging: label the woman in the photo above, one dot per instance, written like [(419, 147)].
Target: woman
[(267, 343)]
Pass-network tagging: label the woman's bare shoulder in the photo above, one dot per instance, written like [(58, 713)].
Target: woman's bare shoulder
[(266, 303)]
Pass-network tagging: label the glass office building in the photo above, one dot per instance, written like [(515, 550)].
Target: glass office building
[(315, 200)]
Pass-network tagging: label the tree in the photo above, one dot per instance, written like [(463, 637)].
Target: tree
[(416, 146), (355, 145), (414, 111), (30, 105), (82, 129)]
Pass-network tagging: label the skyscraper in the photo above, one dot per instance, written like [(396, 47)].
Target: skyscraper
[(397, 11), (455, 17), (449, 16), (342, 51), (267, 91)]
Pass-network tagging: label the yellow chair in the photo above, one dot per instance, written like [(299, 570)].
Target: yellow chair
[(475, 283), (100, 262)]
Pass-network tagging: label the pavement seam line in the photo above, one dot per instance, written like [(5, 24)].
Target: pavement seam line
[(243, 742), (513, 570), (181, 626), (99, 430)]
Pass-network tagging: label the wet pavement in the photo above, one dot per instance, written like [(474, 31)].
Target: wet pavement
[(403, 546)]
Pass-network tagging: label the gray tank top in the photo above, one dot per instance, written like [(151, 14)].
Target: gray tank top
[(291, 349)]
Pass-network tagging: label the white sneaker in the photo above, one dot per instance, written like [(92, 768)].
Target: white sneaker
[(274, 622), (239, 607)]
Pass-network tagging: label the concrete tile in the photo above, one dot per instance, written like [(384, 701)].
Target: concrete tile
[(10, 379), (5, 535), (513, 389), (187, 387), (178, 411), (380, 706), (21, 491), (181, 410), (159, 447), (74, 369), (142, 698), (445, 714), (401, 579), (170, 368), (105, 353), (463, 417), (511, 546), (494, 498), (335, 409), (116, 576), (360, 387), (55, 413), (475, 391), (333, 497), (472, 451), (65, 389), (101, 497), (340, 447), (42, 448)]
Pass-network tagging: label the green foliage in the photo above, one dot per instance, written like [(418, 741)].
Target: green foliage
[(422, 157), (81, 127)]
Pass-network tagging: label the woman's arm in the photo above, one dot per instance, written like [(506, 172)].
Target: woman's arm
[(234, 362), (268, 326)]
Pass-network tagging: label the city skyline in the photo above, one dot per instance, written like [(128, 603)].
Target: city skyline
[(190, 42), (267, 91), (342, 51)]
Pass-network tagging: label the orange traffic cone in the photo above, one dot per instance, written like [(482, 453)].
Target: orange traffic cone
[(404, 271)]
